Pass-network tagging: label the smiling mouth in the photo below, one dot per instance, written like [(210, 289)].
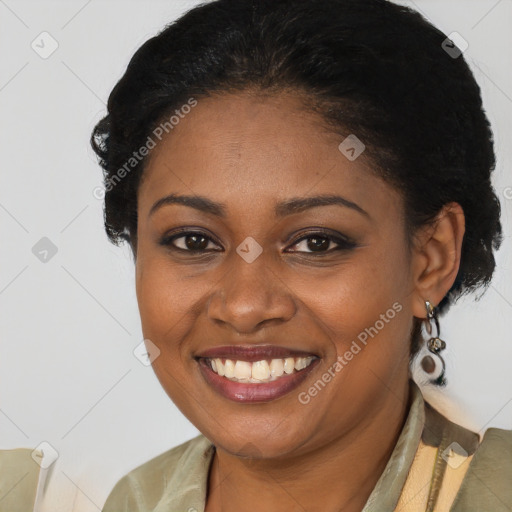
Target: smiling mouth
[(257, 372)]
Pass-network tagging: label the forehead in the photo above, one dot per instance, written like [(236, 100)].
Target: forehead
[(239, 147)]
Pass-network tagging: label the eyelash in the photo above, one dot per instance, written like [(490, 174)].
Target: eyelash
[(343, 244)]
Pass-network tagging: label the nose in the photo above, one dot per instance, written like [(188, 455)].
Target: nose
[(250, 296)]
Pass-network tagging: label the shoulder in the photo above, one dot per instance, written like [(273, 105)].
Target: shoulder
[(496, 451), (143, 487), (488, 481), (499, 437)]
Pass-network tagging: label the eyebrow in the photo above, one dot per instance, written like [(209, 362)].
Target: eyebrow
[(282, 209)]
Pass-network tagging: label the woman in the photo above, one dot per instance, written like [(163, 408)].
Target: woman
[(304, 185)]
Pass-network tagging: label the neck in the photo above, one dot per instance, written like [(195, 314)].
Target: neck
[(338, 476)]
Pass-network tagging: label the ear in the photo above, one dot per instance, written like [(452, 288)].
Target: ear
[(436, 257)]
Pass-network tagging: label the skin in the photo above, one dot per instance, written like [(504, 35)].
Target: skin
[(250, 152)]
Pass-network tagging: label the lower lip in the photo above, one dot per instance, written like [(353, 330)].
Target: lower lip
[(249, 392)]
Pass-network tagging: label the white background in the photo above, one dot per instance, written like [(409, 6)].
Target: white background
[(67, 372)]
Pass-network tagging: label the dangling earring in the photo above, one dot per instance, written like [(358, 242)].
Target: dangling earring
[(434, 345)]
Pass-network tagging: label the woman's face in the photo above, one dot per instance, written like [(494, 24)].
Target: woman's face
[(266, 276)]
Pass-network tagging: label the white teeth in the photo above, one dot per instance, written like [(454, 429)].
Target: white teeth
[(259, 371), (276, 367), (242, 370), (229, 369), (220, 367), (289, 365), (300, 363)]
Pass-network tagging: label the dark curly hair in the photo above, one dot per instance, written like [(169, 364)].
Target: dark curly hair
[(368, 67)]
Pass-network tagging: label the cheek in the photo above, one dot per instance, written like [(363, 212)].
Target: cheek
[(364, 300), (159, 297), (165, 302), (169, 300)]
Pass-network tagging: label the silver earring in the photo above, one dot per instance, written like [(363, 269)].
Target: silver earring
[(434, 345)]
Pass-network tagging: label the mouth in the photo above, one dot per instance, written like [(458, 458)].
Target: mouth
[(257, 373)]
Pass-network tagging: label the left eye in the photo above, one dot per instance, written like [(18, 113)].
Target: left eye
[(321, 243)]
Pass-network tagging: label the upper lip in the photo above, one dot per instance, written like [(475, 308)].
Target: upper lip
[(251, 353)]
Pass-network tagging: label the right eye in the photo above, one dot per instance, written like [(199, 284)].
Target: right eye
[(189, 241)]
